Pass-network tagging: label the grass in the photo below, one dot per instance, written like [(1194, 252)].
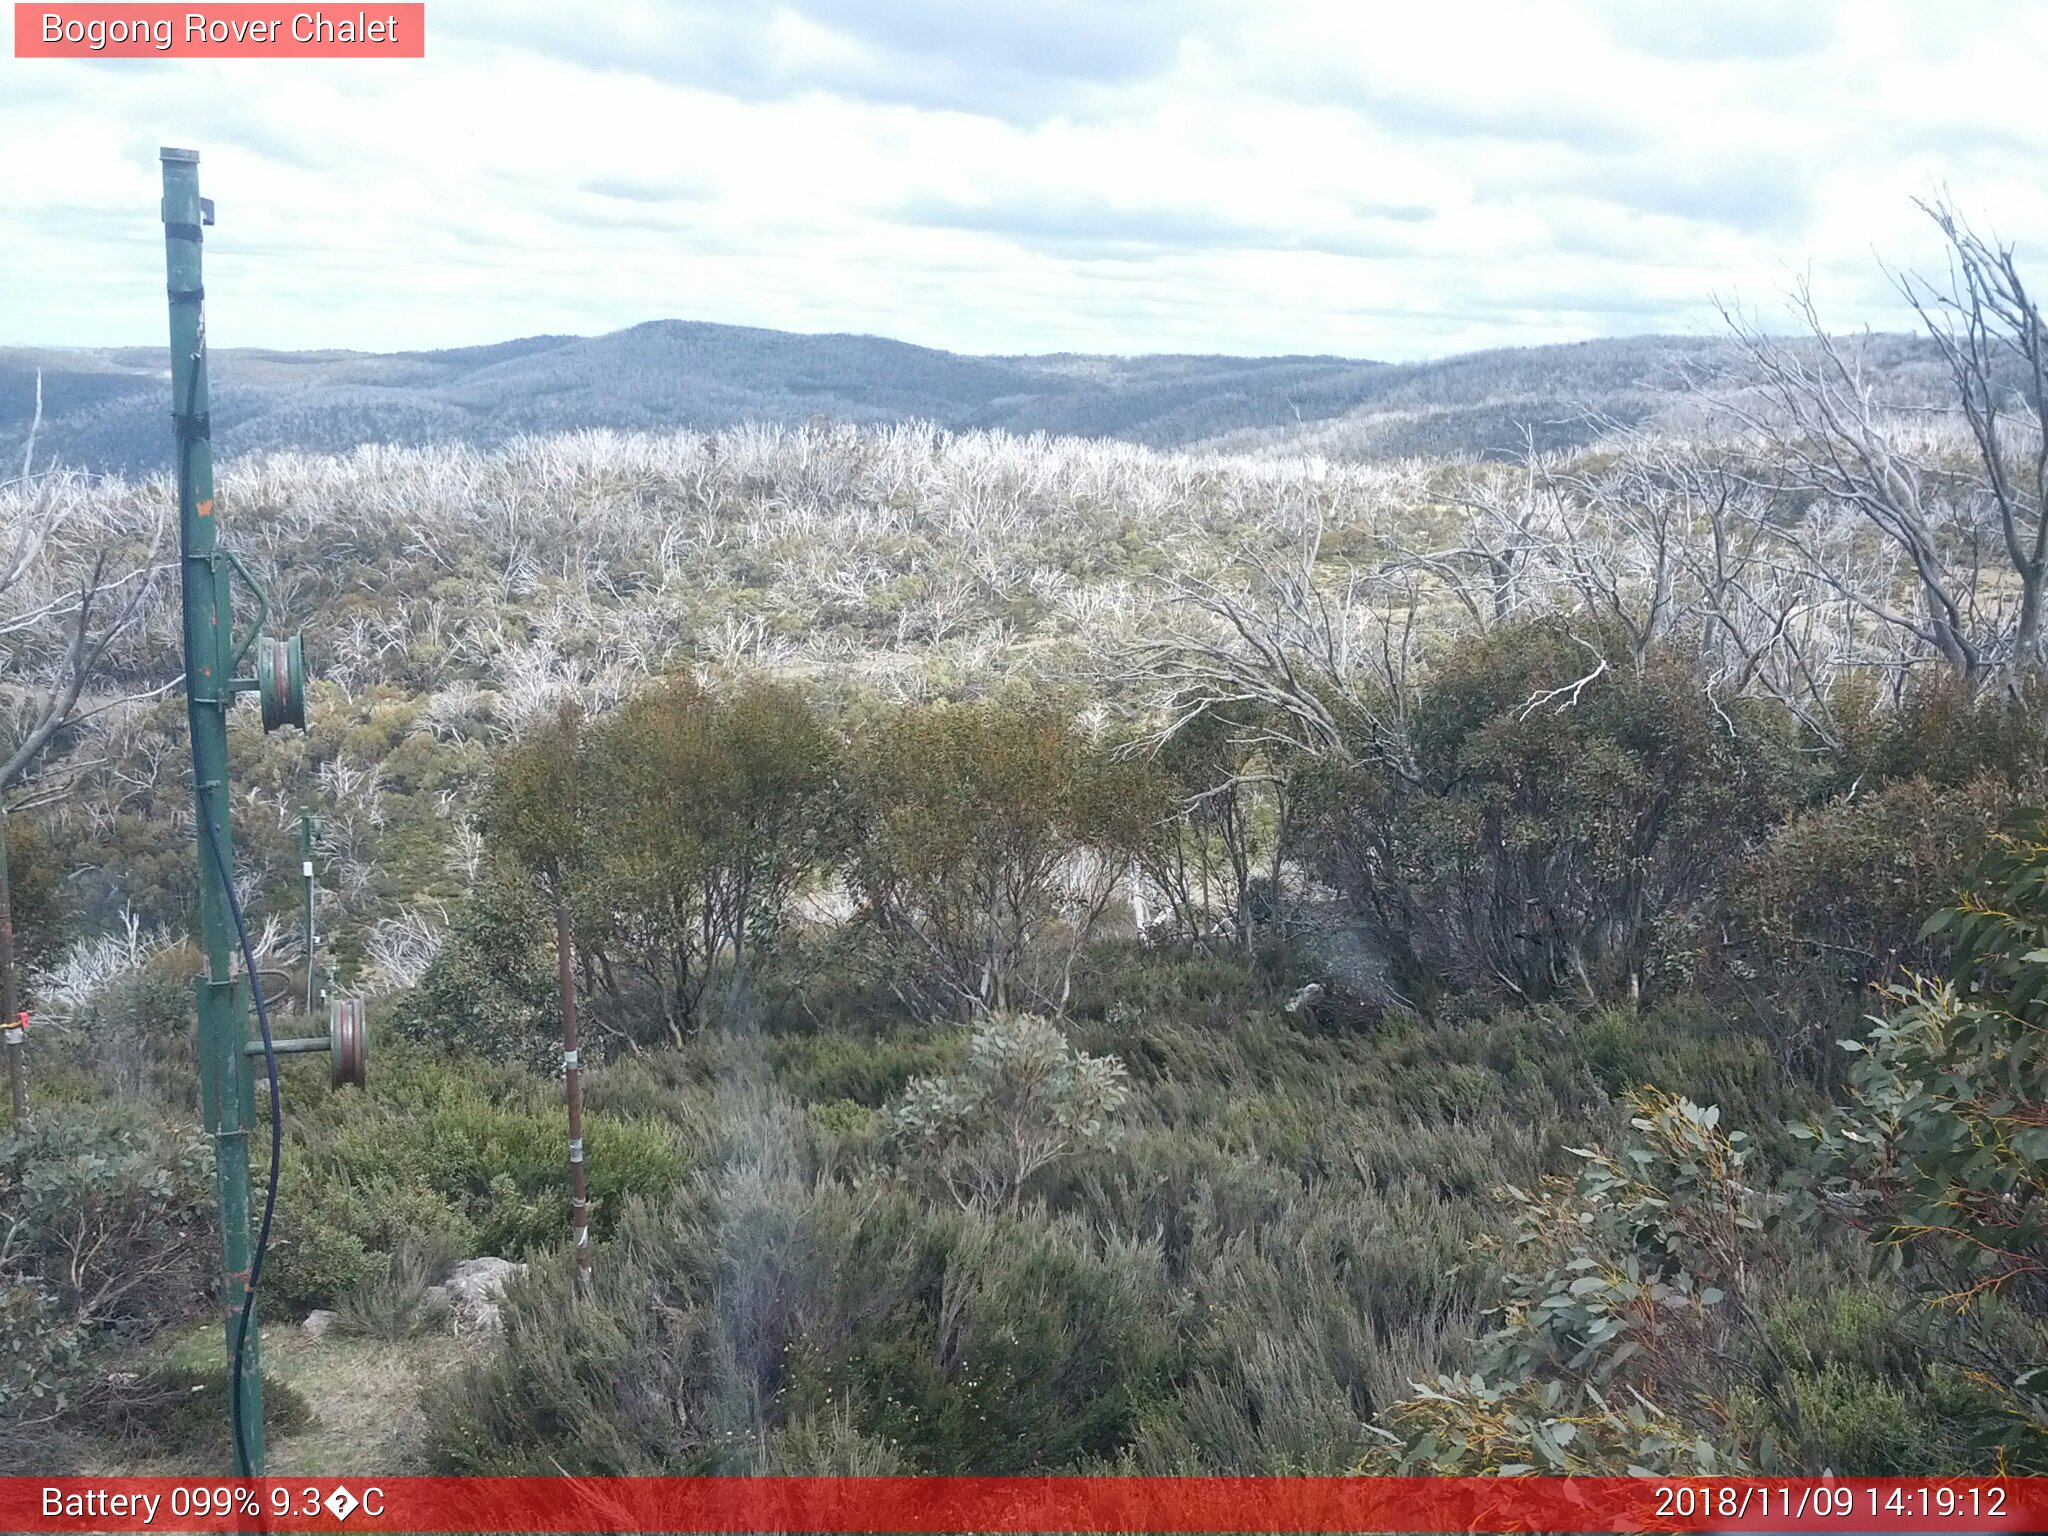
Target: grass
[(333, 1406)]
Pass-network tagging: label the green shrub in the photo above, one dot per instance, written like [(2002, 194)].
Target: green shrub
[(42, 1355), (679, 827), (491, 990), (868, 1070), (993, 836), (399, 1303), (1941, 1151), (1023, 1099), (39, 900), (1623, 1290), (338, 1227), (110, 1212), (1565, 801), (1938, 728), (951, 1341), (1841, 891), (477, 1151)]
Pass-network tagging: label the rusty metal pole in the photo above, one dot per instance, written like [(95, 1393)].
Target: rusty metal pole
[(572, 1084)]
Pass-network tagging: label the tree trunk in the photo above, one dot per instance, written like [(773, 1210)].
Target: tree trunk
[(572, 1083), (10, 990)]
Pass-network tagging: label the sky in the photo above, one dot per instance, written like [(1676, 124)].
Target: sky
[(1379, 180)]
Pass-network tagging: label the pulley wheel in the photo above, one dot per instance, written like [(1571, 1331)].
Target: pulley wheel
[(281, 682), (348, 1042)]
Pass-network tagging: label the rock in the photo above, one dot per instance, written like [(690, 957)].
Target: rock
[(318, 1324), (1307, 997), (473, 1290)]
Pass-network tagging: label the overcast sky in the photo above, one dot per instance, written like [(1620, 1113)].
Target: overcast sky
[(1255, 176)]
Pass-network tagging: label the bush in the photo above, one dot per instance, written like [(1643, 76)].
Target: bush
[(399, 1303), (1024, 1099), (868, 1070), (1841, 891), (1565, 803), (38, 899), (1621, 1290), (679, 827), (1938, 728), (1941, 1151), (950, 1341), (479, 1152), (105, 1225), (338, 1230), (111, 1214), (992, 839), (42, 1355), (491, 990)]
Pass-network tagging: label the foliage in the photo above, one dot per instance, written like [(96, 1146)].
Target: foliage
[(1942, 1149), (105, 1225), (993, 837), (1935, 727), (1573, 784), (37, 899), (1620, 1291), (42, 1354), (1563, 802), (399, 1303), (108, 1209), (456, 1155), (340, 1228), (1841, 891), (950, 1340), (490, 990), (678, 828), (1024, 1099), (1223, 813)]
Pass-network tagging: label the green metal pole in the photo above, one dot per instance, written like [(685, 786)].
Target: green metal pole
[(227, 1086)]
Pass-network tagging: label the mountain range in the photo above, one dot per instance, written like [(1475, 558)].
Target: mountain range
[(105, 409)]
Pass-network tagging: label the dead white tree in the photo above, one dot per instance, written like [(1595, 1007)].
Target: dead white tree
[(1965, 514), (1991, 334), (75, 581), (1299, 668)]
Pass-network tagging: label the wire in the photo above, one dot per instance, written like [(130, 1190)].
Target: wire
[(227, 882)]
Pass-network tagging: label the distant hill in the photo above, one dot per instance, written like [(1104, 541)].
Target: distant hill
[(106, 408)]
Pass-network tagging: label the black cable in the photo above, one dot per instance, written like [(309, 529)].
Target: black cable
[(227, 882)]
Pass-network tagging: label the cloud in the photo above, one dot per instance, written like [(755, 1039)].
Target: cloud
[(628, 189), (1186, 175), (1758, 194), (1552, 116), (1720, 31), (1089, 225), (1013, 63)]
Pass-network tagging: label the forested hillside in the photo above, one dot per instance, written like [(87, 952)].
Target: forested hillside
[(104, 409), (1093, 958)]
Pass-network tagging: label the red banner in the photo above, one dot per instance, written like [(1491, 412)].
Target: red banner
[(235, 31), (1021, 1504)]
